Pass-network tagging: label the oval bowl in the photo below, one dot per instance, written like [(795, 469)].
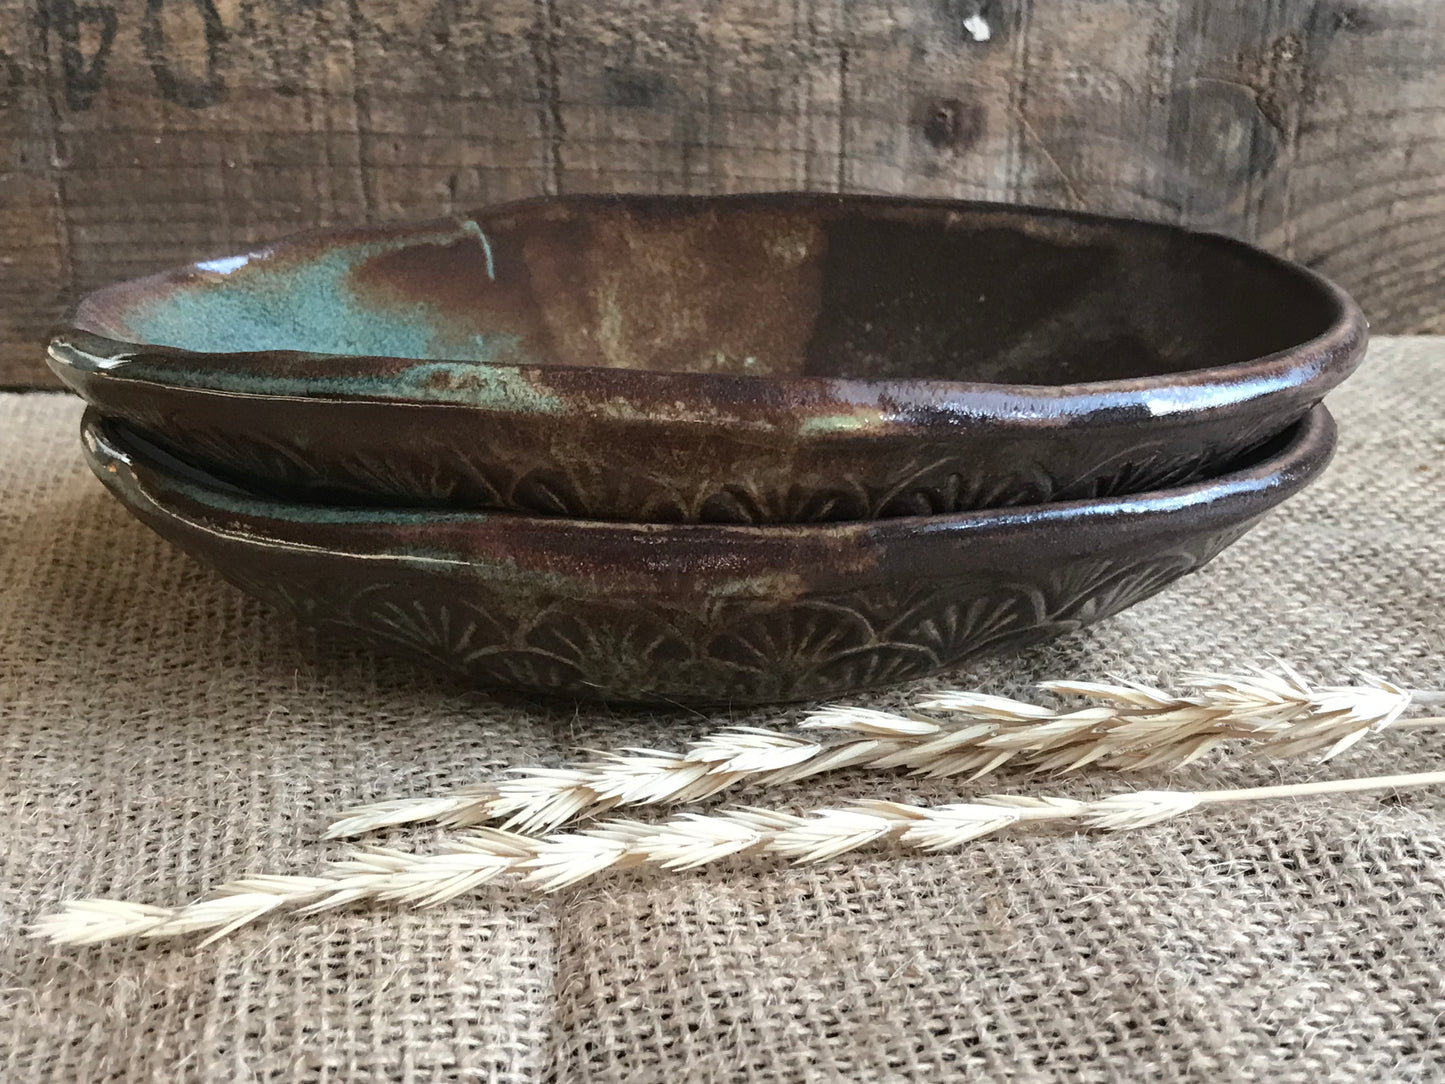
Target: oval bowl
[(700, 613), (749, 359)]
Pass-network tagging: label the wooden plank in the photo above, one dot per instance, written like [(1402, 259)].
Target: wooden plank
[(1367, 201), (649, 97), (198, 131), (931, 88), (447, 105), (135, 134), (34, 261)]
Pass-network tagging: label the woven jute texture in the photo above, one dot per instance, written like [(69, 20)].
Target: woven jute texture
[(160, 732)]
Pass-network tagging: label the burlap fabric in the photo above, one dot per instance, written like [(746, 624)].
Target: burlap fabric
[(159, 732)]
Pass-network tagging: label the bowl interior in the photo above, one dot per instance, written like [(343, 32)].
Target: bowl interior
[(763, 285)]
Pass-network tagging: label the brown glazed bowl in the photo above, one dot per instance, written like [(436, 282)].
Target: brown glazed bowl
[(748, 359), (702, 613)]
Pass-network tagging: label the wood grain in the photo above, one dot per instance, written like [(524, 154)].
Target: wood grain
[(136, 134)]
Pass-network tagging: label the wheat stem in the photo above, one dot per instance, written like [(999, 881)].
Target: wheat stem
[(1125, 725), (548, 863), (1423, 722), (1405, 781)]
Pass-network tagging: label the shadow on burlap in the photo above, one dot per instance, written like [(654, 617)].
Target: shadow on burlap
[(159, 733)]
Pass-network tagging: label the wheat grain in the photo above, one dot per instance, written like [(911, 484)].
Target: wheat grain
[(548, 863), (1128, 725)]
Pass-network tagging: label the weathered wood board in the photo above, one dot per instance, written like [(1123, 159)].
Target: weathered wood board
[(135, 134)]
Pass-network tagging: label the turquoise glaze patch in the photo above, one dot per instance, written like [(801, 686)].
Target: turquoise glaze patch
[(257, 303), (265, 303)]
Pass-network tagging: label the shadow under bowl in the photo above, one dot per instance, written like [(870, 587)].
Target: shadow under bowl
[(748, 359), (697, 613)]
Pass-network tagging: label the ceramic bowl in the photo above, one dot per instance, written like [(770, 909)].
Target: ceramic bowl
[(702, 613), (753, 359)]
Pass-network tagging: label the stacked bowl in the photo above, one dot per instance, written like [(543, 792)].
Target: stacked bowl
[(677, 450)]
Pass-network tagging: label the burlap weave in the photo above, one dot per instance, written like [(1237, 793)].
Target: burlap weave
[(159, 732)]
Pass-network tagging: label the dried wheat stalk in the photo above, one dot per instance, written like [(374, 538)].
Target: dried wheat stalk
[(685, 841), (1128, 725)]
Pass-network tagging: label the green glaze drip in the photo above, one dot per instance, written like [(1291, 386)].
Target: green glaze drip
[(838, 423), (466, 383)]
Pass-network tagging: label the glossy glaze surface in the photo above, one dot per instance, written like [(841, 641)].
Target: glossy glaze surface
[(698, 613), (751, 359)]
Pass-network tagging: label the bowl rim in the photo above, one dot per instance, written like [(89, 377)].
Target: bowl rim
[(1291, 462), (654, 395)]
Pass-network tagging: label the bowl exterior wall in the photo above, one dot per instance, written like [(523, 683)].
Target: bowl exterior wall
[(698, 615), (581, 464)]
